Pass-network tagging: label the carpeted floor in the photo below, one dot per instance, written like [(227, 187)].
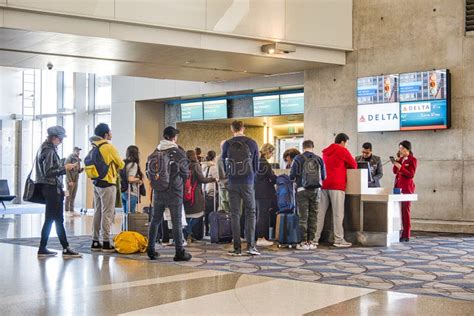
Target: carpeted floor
[(431, 264)]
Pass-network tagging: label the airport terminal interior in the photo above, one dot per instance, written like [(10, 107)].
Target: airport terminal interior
[(397, 74)]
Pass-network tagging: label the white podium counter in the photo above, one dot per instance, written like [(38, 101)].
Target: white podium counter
[(372, 216)]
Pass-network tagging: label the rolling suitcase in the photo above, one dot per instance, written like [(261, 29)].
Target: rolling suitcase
[(220, 226), (136, 222)]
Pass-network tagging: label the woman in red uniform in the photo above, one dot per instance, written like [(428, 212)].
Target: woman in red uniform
[(404, 169)]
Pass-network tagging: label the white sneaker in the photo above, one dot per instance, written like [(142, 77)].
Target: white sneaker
[(69, 214), (302, 246), (262, 242), (342, 244), (312, 246)]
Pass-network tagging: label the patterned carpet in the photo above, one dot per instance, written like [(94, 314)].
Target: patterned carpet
[(432, 264)]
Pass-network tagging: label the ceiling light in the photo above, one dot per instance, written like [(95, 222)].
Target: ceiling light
[(278, 48)]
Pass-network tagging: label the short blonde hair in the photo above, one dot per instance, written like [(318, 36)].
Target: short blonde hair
[(267, 149)]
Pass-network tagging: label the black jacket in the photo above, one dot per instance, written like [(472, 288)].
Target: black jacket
[(49, 168), (265, 182)]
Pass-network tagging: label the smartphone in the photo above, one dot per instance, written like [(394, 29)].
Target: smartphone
[(392, 159)]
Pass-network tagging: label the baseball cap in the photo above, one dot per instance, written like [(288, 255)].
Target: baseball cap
[(58, 131), (170, 132), (77, 148)]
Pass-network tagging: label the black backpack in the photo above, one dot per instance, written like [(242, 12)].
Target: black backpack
[(311, 175), (158, 169), (239, 158)]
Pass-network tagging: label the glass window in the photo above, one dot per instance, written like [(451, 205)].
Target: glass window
[(68, 90), (103, 92), (49, 93), (102, 118), (68, 142)]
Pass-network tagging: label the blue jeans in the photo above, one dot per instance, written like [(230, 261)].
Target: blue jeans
[(188, 230), (133, 202)]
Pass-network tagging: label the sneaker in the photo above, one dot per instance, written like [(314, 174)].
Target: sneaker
[(189, 241), (235, 253), (342, 244), (107, 247), (253, 251), (262, 242), (182, 256), (46, 253), (69, 253), (312, 246), (69, 214), (302, 246), (153, 256), (96, 246)]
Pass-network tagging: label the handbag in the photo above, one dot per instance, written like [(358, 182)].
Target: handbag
[(33, 191)]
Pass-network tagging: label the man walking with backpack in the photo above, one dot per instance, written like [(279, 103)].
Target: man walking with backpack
[(167, 169), (307, 171), (337, 160), (102, 165), (240, 158)]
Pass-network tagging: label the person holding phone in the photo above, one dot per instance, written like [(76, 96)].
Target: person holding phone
[(404, 169)]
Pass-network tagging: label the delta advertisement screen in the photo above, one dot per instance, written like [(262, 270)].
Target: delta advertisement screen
[(267, 105), (191, 111), (214, 110), (409, 101), (292, 103)]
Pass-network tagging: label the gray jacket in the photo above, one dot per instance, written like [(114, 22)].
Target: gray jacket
[(73, 175), (376, 168), (49, 167)]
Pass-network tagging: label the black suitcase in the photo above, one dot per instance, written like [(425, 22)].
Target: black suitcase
[(220, 226)]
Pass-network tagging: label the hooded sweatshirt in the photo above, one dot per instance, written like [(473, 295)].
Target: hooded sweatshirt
[(337, 160), (112, 158)]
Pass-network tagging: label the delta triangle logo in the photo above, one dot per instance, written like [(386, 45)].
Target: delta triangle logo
[(362, 119)]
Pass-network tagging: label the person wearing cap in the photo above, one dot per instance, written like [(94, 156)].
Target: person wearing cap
[(72, 179), (172, 197), (105, 190), (49, 171)]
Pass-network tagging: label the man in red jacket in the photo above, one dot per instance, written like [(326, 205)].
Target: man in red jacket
[(337, 160)]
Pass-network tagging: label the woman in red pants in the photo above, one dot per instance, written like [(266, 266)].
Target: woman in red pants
[(404, 169)]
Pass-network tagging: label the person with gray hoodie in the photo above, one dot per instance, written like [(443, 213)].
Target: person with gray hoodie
[(167, 169)]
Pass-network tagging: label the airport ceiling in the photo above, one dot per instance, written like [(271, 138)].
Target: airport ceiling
[(27, 49)]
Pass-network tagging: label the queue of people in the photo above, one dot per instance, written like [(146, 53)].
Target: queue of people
[(239, 181)]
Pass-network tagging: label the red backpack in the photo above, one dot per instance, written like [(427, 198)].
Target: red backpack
[(190, 188)]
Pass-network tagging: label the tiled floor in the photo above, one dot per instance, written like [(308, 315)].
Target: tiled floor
[(106, 285)]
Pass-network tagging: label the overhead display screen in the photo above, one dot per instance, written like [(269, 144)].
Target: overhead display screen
[(424, 85), (216, 109), (408, 101), (292, 103), (377, 89), (266, 105), (191, 111)]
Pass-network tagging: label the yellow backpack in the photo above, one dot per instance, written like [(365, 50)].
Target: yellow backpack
[(128, 242)]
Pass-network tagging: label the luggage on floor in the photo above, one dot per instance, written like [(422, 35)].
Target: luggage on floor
[(287, 229), (285, 194), (136, 222), (220, 225)]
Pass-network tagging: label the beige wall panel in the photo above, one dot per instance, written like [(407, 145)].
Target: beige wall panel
[(258, 18), (149, 122), (320, 22), (93, 8), (181, 13)]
